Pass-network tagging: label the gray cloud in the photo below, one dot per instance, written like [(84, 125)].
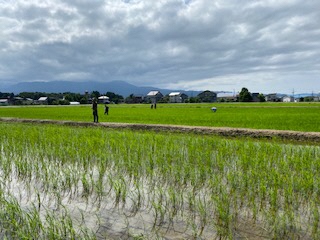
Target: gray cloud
[(265, 45)]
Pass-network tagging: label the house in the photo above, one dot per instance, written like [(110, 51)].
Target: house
[(154, 96), (27, 101), (177, 97), (273, 97), (103, 99), (255, 97), (138, 98), (43, 100), (4, 102), (288, 99), (228, 98), (74, 103), (207, 96), (22, 101), (17, 100)]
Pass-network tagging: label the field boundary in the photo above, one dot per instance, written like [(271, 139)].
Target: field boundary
[(221, 131)]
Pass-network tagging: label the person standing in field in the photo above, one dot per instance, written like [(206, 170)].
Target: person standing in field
[(95, 110), (106, 109)]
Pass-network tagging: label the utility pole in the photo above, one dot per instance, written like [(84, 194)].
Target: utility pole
[(293, 95)]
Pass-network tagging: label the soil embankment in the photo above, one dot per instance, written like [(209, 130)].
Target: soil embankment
[(313, 137)]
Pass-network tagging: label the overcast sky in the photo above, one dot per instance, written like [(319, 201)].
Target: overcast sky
[(264, 45)]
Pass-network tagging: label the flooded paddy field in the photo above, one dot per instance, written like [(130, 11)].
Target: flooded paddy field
[(60, 181)]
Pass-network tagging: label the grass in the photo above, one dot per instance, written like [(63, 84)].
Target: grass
[(280, 116)]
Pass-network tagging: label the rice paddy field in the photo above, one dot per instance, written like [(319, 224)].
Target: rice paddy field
[(75, 182), (281, 116)]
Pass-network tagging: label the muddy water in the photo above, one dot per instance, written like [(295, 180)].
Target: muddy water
[(107, 218), (110, 218)]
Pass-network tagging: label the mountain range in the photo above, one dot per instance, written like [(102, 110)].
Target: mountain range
[(118, 87)]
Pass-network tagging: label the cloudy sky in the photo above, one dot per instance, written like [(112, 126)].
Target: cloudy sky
[(264, 45)]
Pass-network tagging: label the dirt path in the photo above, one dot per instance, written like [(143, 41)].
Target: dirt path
[(313, 137)]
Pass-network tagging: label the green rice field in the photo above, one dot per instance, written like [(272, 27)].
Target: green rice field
[(281, 116), (72, 182)]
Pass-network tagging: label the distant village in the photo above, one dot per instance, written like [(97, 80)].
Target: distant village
[(68, 98)]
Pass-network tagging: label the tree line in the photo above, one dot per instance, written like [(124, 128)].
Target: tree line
[(62, 98), (67, 97)]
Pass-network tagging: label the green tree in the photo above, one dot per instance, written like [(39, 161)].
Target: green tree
[(261, 97), (116, 98), (6, 95), (84, 100), (194, 100), (32, 95), (95, 94), (129, 99), (245, 95), (68, 97), (308, 99)]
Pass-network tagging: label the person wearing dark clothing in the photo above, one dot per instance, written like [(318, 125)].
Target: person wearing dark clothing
[(106, 109), (95, 110)]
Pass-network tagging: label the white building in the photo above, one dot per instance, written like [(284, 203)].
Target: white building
[(43, 100), (154, 96), (4, 102), (74, 103), (103, 99), (177, 97), (274, 97), (288, 99)]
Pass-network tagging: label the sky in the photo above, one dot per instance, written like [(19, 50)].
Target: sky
[(266, 46)]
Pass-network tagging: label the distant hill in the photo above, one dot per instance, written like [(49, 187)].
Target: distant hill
[(119, 87)]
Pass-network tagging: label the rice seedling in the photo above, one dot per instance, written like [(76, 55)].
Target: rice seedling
[(81, 180)]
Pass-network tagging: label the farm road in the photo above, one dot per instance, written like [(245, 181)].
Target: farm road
[(313, 137)]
